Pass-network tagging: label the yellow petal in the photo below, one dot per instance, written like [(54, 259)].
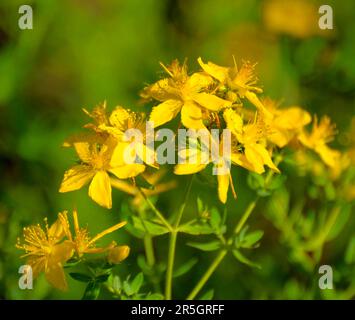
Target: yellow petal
[(61, 253), (211, 102), (188, 168), (121, 151), (254, 159), (161, 91), (76, 177), (119, 118), (329, 156), (100, 189), (147, 155), (128, 170), (217, 72), (223, 185), (124, 186), (191, 116), (82, 148), (165, 112), (107, 231), (234, 121), (253, 98), (197, 82), (264, 154), (292, 118), (56, 230), (281, 137), (38, 264), (56, 277)]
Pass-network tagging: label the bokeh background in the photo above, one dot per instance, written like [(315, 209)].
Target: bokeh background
[(82, 52)]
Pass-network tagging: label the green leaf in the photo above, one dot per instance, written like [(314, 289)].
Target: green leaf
[(340, 222), (148, 226), (241, 258), (350, 251), (215, 219), (205, 246), (186, 267), (196, 228), (116, 283), (251, 239), (92, 291), (208, 295), (127, 288), (200, 206), (71, 263), (142, 263), (276, 182), (154, 296), (134, 231), (143, 183), (102, 278), (80, 277), (137, 282), (255, 181)]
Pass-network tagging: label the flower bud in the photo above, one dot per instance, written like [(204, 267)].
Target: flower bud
[(118, 254)]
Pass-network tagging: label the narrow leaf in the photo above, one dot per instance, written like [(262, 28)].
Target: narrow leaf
[(206, 246), (137, 282), (186, 267), (80, 277), (92, 291), (241, 258), (148, 226)]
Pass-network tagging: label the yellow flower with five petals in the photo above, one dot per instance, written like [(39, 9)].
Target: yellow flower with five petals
[(47, 252), (186, 94), (98, 159)]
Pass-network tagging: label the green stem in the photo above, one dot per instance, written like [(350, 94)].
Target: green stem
[(207, 274), (245, 215), (170, 268), (182, 208), (172, 244), (155, 210), (149, 249)]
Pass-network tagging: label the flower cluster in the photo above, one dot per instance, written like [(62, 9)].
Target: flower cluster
[(229, 97), (215, 97), (48, 249)]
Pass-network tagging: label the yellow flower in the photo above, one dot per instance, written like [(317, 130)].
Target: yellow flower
[(194, 161), (284, 124), (241, 83), (117, 254), (46, 252), (81, 241), (298, 18), (322, 133), (248, 143), (98, 158), (186, 94), (120, 121)]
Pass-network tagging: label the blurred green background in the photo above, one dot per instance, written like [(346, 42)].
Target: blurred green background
[(82, 52)]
